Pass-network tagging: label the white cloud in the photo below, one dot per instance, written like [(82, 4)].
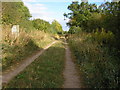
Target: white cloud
[(36, 9), (49, 0), (64, 0), (41, 11), (29, 0)]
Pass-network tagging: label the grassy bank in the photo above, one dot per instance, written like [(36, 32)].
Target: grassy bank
[(16, 49), (44, 72), (98, 65)]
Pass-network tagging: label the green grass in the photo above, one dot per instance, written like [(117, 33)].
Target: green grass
[(98, 66), (16, 50), (44, 72)]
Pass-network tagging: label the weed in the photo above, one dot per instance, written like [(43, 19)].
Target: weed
[(16, 49), (100, 68), (44, 72)]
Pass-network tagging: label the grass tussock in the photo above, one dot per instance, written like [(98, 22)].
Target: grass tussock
[(44, 72), (99, 66), (16, 49)]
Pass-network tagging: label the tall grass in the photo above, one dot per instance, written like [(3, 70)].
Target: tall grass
[(45, 72), (99, 67), (16, 49), (41, 38)]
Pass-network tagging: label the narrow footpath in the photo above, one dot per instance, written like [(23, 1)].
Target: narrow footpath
[(70, 73), (8, 75)]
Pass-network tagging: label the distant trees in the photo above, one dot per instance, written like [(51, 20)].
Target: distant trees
[(40, 24), (45, 26), (17, 13), (57, 27)]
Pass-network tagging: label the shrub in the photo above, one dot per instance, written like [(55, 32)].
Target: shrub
[(16, 49), (99, 67), (103, 37)]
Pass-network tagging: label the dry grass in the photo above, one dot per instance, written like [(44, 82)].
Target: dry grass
[(100, 69), (16, 49), (45, 72), (40, 38)]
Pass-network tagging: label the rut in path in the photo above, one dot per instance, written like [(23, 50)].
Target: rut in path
[(6, 77), (70, 73)]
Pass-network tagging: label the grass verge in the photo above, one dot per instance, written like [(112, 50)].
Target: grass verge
[(45, 72), (17, 49), (98, 66)]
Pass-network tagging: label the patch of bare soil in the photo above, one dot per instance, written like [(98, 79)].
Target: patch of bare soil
[(70, 73)]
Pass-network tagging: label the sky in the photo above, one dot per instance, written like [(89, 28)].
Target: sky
[(50, 10)]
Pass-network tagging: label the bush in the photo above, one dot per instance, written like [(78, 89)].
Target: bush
[(16, 49), (103, 37), (99, 67)]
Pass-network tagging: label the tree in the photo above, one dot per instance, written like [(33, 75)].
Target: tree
[(15, 13), (90, 17), (57, 27), (40, 24), (80, 14)]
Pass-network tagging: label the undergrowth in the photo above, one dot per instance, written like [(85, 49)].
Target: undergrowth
[(17, 49), (98, 63), (45, 72)]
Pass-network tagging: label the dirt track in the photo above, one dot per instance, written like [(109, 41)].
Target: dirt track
[(8, 75), (70, 73)]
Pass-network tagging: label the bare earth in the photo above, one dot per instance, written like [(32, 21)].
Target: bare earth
[(70, 73), (10, 74)]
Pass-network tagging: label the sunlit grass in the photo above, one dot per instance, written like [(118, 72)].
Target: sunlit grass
[(44, 72), (17, 49)]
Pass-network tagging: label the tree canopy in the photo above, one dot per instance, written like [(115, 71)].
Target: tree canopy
[(40, 24), (89, 16), (16, 13), (57, 26)]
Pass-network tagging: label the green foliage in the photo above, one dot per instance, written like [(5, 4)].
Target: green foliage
[(15, 13), (45, 72), (23, 46), (15, 50), (45, 26), (90, 17), (80, 13), (94, 22), (97, 48), (103, 37), (111, 13), (57, 27), (99, 64), (40, 24), (74, 30)]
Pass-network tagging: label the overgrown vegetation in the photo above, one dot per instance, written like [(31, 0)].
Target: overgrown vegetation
[(16, 49), (99, 64), (34, 34), (45, 72), (94, 39)]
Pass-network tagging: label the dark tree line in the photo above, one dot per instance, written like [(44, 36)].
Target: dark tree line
[(91, 18), (102, 25)]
